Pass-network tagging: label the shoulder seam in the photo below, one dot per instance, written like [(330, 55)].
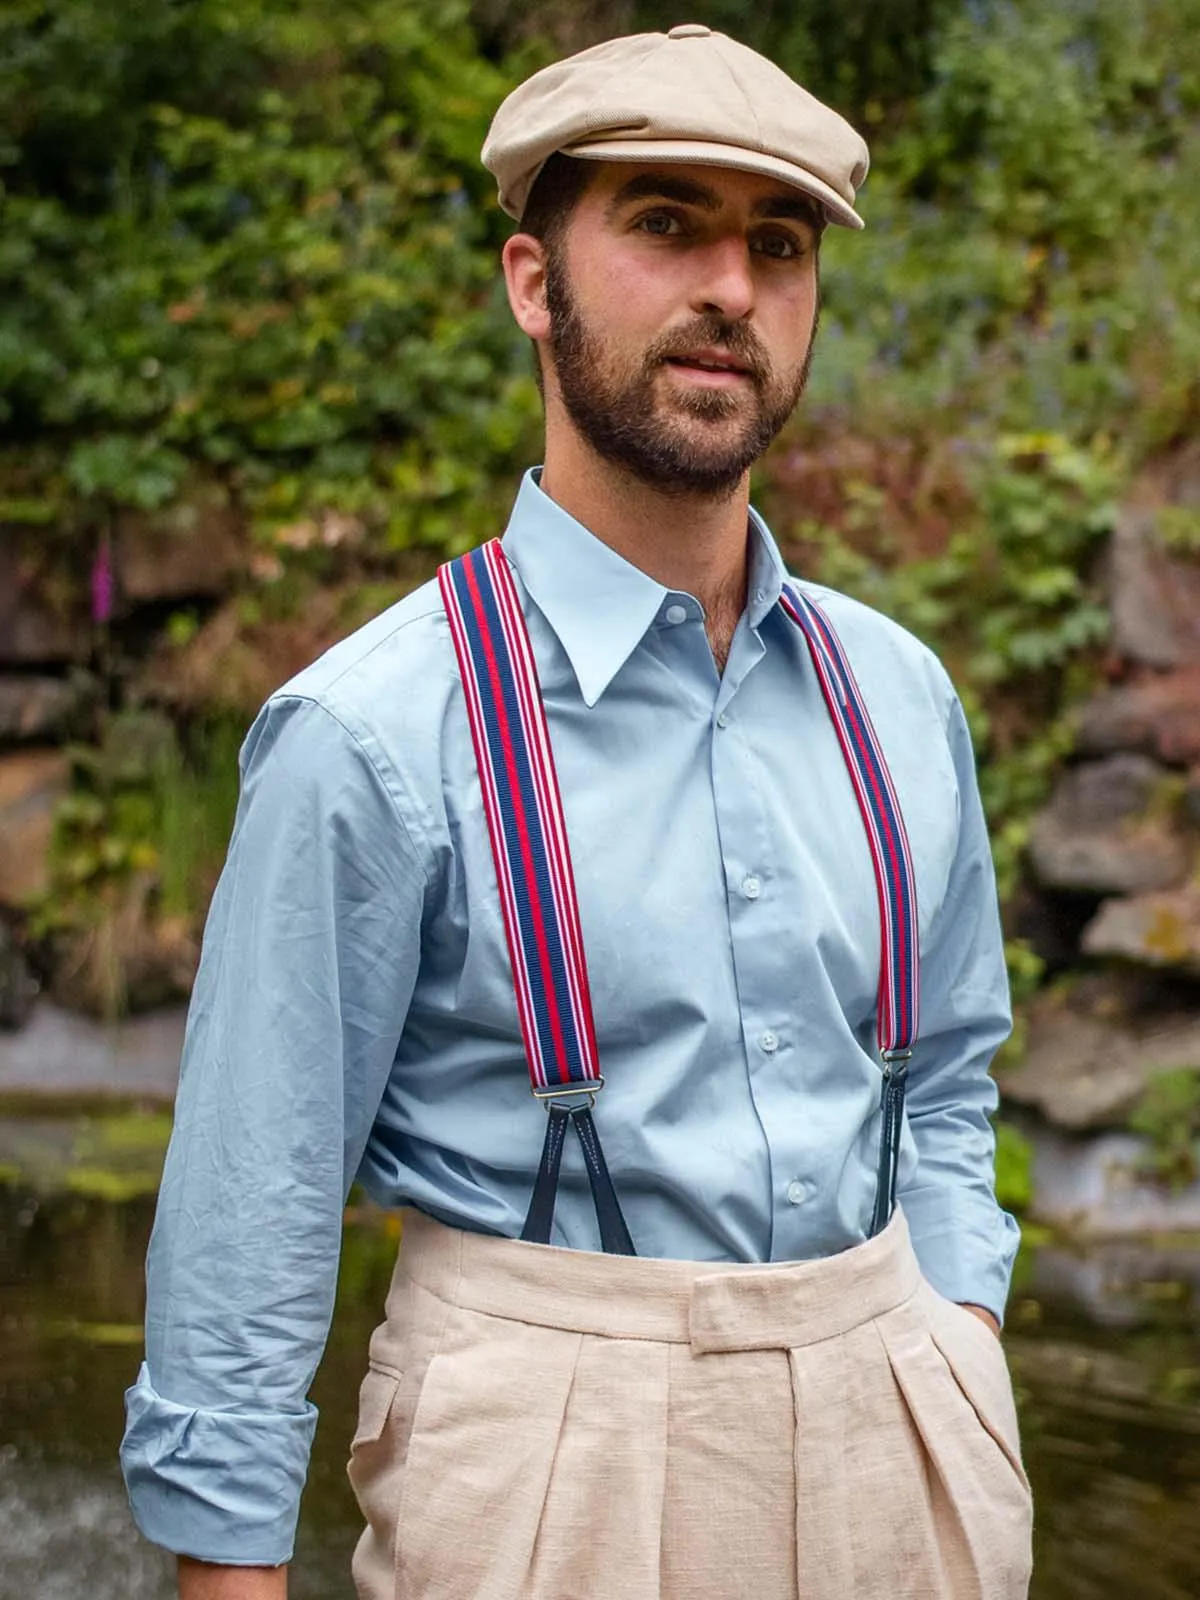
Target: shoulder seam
[(419, 850), (366, 655)]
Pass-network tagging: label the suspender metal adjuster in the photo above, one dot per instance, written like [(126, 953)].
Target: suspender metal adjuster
[(550, 1096)]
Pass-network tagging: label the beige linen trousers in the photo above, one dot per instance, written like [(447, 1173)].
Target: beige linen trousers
[(545, 1424)]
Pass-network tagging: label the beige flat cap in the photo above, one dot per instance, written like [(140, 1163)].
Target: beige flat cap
[(688, 95)]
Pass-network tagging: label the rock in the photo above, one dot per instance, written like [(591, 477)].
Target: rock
[(38, 707), (188, 550), (18, 986), (1114, 1282), (31, 785), (1154, 597), (1156, 930), (1158, 716), (1100, 1188), (60, 1055), (1088, 1059), (1102, 833), (30, 632)]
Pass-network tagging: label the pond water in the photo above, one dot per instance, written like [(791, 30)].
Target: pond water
[(1105, 1350)]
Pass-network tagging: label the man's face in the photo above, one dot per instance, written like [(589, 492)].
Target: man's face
[(683, 302)]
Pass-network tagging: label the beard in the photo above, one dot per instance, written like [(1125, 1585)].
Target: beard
[(696, 442)]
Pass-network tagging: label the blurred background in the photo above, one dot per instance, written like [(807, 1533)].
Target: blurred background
[(257, 378)]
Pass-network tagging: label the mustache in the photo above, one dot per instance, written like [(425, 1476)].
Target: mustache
[(736, 337)]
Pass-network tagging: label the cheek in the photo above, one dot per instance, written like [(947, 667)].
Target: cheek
[(629, 296), (786, 325)]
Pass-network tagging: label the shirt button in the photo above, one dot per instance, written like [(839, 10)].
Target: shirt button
[(676, 614), (723, 720), (751, 887), (798, 1191), (769, 1042)]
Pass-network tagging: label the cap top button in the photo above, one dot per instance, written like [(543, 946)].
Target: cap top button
[(689, 30)]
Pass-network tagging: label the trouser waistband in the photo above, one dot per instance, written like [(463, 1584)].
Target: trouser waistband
[(712, 1307)]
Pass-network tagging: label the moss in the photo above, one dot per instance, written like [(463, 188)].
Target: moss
[(1014, 1168), (106, 1333), (1168, 1116), (117, 1157), (95, 1183), (130, 1134)]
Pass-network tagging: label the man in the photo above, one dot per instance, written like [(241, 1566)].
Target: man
[(770, 800)]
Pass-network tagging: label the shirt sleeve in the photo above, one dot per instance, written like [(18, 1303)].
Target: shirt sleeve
[(965, 1243), (310, 956)]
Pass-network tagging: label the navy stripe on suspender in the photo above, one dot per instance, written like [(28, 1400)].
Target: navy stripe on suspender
[(536, 882)]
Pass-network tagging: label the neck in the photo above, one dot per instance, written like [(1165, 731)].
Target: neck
[(692, 542)]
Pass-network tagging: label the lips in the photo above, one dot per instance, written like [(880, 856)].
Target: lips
[(716, 361)]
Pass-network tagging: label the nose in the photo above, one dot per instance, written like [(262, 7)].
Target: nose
[(725, 285)]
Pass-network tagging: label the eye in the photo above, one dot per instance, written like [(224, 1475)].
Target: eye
[(779, 245), (662, 224)]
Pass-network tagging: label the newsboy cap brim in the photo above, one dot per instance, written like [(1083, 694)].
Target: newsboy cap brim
[(687, 96)]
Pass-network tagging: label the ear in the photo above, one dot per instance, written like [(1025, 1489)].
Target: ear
[(524, 260)]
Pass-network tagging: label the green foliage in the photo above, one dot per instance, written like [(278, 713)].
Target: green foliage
[(255, 238), (1168, 1116), (253, 242), (1028, 264), (867, 59), (142, 808), (1014, 1168), (1179, 529)]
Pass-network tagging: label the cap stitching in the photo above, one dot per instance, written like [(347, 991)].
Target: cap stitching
[(655, 42), (741, 88)]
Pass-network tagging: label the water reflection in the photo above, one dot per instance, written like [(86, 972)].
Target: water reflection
[(1111, 1414)]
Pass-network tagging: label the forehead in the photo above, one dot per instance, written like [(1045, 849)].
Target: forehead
[(619, 184)]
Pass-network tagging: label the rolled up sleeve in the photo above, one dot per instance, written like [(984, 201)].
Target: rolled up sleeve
[(965, 1243), (309, 960)]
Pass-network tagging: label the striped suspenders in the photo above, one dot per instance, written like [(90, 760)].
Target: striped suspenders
[(536, 882)]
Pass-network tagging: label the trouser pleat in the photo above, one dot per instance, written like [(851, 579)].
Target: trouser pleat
[(601, 1525), (480, 1459), (979, 1505)]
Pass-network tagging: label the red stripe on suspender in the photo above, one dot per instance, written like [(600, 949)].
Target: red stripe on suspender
[(522, 828), (550, 803), (491, 805)]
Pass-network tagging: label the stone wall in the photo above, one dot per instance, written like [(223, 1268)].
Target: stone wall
[(1114, 858), (76, 635)]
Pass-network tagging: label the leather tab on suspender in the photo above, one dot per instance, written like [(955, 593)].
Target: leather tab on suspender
[(615, 1238), (573, 1102), (895, 1083)]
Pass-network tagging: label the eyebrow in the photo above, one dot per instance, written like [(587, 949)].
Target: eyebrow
[(685, 191)]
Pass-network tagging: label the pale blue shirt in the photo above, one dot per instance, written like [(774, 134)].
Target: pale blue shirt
[(354, 1013)]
